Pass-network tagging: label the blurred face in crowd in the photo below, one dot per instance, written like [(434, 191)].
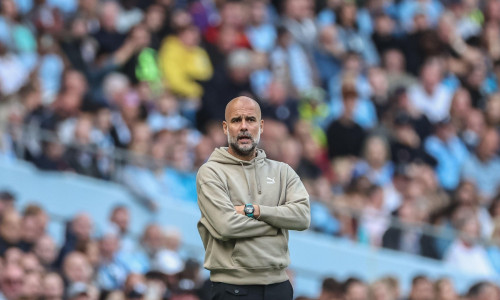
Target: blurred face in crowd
[(29, 229), (168, 104), (488, 147), (384, 25), (10, 227), (470, 229), (476, 122), (141, 36), (103, 120), (108, 246), (348, 15), (488, 292), (258, 12), (45, 249), (243, 126), (9, 9), (493, 110), (422, 289), (356, 291), (11, 281), (380, 291), (234, 14), (461, 103), (75, 81), (31, 264), (378, 81), (76, 267), (394, 61), (153, 239), (445, 290), (155, 16), (82, 227), (298, 9), (121, 218), (52, 287), (13, 256), (190, 36), (108, 15), (173, 239), (431, 76), (376, 152), (32, 286)]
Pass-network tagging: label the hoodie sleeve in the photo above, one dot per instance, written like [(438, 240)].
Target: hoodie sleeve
[(295, 214), (218, 214)]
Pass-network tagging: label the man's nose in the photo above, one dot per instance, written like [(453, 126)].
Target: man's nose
[(243, 125)]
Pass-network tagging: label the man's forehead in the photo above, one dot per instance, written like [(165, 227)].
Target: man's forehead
[(242, 106)]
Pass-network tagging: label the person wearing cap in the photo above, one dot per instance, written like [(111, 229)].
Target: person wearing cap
[(248, 203)]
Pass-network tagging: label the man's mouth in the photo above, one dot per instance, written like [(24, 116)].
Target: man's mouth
[(244, 139)]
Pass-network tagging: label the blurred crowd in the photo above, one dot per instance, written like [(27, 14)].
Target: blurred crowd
[(389, 110), (92, 263)]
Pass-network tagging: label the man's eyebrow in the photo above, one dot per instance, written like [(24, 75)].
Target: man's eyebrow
[(235, 119)]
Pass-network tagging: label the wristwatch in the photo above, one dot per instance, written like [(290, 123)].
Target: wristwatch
[(249, 209)]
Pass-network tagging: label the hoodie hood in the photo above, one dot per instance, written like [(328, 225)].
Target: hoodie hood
[(222, 155)]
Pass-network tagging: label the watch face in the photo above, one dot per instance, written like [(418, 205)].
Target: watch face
[(249, 210)]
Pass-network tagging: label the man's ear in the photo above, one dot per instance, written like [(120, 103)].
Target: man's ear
[(261, 126), (224, 127)]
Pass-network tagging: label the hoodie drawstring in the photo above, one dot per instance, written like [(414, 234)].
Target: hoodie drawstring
[(246, 178), (259, 188), (257, 178)]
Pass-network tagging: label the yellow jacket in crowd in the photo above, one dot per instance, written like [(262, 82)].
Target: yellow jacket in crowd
[(182, 66)]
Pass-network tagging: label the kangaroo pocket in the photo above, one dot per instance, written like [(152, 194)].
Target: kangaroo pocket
[(261, 252)]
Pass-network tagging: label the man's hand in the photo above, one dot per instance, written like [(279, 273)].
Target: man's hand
[(240, 210)]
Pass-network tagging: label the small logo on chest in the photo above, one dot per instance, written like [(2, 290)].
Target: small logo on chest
[(270, 180)]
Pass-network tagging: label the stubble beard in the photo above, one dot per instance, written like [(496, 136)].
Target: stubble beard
[(243, 150)]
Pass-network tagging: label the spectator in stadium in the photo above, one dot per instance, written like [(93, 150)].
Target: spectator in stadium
[(430, 96), (78, 232), (46, 251), (184, 63), (231, 82), (11, 282), (466, 253), (345, 128), (289, 62), (483, 290), (355, 288), (328, 54), (445, 290), (260, 30), (408, 235), (331, 289), (52, 286), (352, 39), (375, 164), (450, 153), (10, 231), (421, 288), (7, 200), (222, 218), (76, 268), (482, 167), (111, 271), (297, 18), (120, 219)]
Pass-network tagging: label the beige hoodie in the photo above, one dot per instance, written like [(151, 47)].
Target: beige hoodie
[(239, 249)]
